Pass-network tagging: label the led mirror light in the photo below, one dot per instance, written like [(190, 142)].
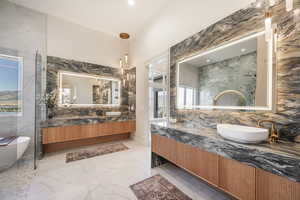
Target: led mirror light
[(131, 2), (268, 26), (271, 2), (289, 5), (189, 93)]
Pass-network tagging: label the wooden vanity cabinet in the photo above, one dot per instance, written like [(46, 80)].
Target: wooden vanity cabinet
[(273, 187), (201, 163), (194, 160), (78, 132), (237, 179), (164, 147)]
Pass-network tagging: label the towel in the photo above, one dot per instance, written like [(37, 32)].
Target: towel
[(7, 140)]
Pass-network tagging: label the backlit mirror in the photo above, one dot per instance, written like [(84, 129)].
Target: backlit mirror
[(84, 89), (236, 75)]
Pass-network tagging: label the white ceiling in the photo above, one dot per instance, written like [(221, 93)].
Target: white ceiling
[(110, 16)]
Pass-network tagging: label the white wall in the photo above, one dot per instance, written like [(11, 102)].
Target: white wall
[(72, 41), (174, 24)]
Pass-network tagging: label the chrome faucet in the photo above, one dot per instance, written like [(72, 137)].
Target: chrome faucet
[(274, 135)]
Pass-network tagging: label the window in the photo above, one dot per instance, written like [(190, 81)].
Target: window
[(10, 85), (186, 96)]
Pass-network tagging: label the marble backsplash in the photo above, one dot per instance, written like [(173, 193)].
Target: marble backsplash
[(56, 64), (238, 73), (242, 22)]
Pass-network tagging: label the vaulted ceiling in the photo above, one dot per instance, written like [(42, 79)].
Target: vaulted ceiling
[(110, 16), (115, 16)]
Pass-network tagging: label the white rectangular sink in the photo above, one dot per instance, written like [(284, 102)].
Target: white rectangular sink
[(243, 134)]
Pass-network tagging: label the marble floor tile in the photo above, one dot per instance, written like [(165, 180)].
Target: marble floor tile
[(106, 177)]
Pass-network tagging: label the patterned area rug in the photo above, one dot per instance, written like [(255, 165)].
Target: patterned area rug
[(157, 188), (96, 151)]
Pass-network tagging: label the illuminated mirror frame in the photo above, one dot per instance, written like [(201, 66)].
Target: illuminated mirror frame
[(271, 80), (61, 73)]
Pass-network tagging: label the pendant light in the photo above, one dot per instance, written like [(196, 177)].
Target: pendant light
[(268, 25), (275, 39), (271, 3), (297, 18), (124, 61), (289, 4)]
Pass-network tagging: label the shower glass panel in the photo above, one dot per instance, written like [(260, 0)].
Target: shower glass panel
[(38, 107), (10, 106)]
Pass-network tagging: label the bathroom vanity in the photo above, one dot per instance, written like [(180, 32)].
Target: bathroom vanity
[(248, 172), (59, 134)]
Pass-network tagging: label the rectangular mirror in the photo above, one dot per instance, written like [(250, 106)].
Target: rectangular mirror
[(84, 89), (236, 75)]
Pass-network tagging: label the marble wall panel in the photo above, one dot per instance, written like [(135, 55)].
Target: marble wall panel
[(55, 64), (243, 22)]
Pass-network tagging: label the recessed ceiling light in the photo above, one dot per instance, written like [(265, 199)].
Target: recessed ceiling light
[(131, 2), (258, 5)]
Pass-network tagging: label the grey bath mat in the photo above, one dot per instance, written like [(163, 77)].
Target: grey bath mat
[(157, 188), (95, 151)]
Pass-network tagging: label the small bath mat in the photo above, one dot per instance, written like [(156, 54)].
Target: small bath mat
[(157, 188), (96, 151)]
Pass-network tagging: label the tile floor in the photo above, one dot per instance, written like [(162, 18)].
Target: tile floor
[(105, 177)]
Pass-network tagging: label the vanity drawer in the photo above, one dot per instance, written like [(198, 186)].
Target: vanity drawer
[(201, 163), (70, 133), (62, 134), (237, 179), (164, 147), (112, 128), (273, 187)]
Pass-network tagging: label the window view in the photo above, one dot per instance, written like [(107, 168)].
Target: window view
[(186, 96), (10, 85)]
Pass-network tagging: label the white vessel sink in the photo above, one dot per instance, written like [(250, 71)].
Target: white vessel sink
[(243, 134)]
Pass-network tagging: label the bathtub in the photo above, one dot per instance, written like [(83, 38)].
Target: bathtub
[(11, 153)]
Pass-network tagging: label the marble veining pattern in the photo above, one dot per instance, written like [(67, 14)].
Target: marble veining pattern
[(244, 22), (277, 159), (238, 73), (127, 108)]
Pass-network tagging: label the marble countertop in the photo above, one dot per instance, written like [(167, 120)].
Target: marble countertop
[(70, 121), (282, 159)]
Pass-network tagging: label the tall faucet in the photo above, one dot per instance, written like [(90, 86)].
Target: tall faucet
[(274, 135)]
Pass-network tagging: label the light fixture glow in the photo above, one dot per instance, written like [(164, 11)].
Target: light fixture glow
[(259, 4), (208, 60), (271, 2), (289, 5), (126, 59), (275, 39), (243, 50), (268, 26), (131, 2), (297, 18)]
